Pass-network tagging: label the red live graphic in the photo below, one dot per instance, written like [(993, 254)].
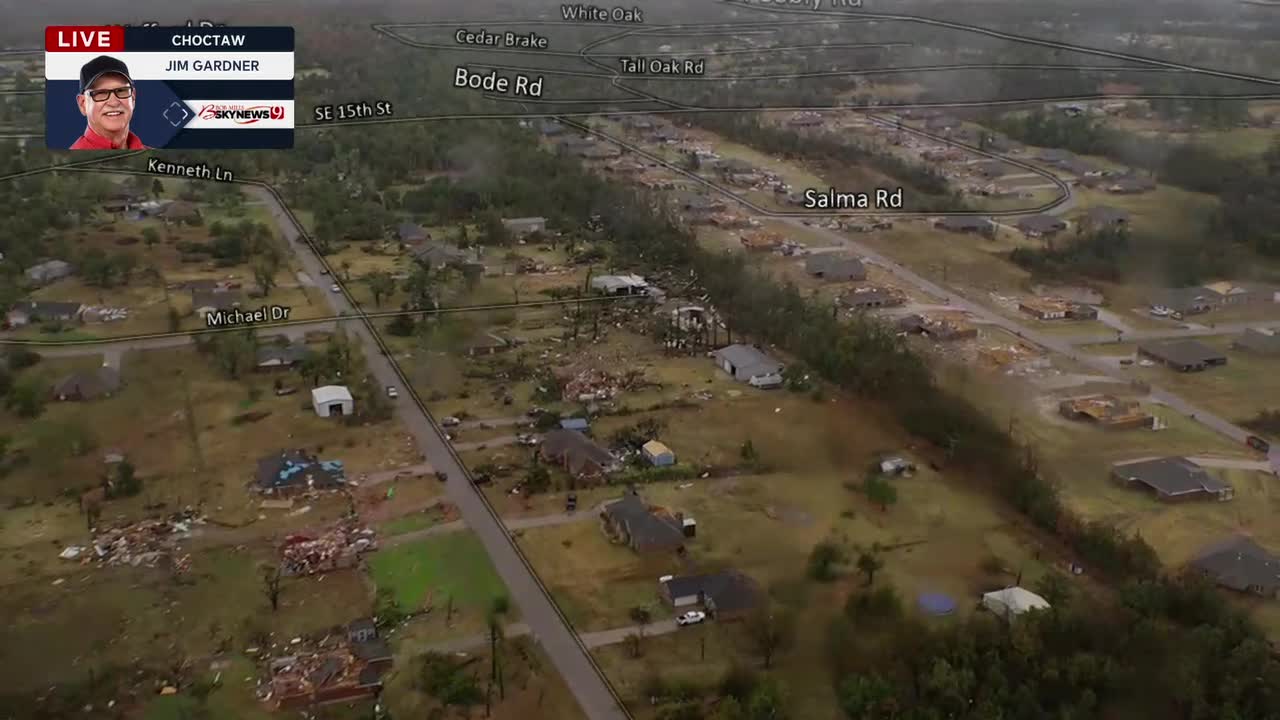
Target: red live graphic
[(81, 38)]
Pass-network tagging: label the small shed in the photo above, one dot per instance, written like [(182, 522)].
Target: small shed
[(579, 424), (332, 400), (658, 454), (1010, 602)]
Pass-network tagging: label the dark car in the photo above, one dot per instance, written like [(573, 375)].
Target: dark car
[(482, 478), (442, 476), (1258, 444)]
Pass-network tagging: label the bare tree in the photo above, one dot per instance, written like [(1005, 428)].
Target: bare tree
[(771, 631), (271, 585)]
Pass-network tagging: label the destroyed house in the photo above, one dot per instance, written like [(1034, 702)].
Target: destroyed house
[(835, 266), (1242, 565), (292, 471), (620, 284), (1182, 355), (724, 594), (329, 676), (964, 224), (633, 523), (694, 204), (88, 385), (1041, 225), (1172, 479), (48, 271), (991, 169), (870, 298), (579, 455), (1106, 411)]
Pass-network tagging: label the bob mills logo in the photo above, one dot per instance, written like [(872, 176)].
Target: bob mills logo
[(241, 114)]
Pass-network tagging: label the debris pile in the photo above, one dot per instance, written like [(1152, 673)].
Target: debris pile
[(142, 543), (337, 547)]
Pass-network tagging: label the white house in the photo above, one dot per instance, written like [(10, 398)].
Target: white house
[(1013, 601), (332, 400)]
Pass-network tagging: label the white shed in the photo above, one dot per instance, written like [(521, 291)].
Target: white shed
[(1013, 601), (332, 400)]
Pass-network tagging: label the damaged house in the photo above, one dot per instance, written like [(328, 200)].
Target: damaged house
[(644, 529), (290, 472), (579, 455)]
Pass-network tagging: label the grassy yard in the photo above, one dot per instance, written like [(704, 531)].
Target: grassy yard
[(429, 572), (1246, 385)]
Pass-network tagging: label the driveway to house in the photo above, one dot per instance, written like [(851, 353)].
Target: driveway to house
[(495, 422), (557, 638), (1233, 464), (1189, 331), (1062, 346), (596, 639), (482, 444)]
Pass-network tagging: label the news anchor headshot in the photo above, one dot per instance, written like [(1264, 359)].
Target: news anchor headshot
[(106, 100)]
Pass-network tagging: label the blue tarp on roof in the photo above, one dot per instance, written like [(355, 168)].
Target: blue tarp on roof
[(936, 604), (574, 424)]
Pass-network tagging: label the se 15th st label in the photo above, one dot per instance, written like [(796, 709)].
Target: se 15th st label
[(352, 111)]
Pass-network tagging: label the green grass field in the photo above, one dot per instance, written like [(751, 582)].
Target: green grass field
[(452, 565)]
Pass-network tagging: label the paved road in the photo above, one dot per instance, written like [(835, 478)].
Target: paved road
[(1059, 345), (1233, 464), (495, 422), (556, 637), (1172, 333), (112, 350)]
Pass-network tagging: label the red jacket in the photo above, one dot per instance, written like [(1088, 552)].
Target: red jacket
[(91, 140)]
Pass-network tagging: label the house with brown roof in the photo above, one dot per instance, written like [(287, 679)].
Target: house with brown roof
[(579, 455)]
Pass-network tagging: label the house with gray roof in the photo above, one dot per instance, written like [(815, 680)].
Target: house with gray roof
[(724, 594), (1182, 355), (579, 455), (964, 224), (1104, 216), (34, 311), (1040, 225), (748, 364), (1185, 300), (88, 385), (643, 529), (438, 256), (835, 266), (49, 271), (411, 233), (1172, 479), (1264, 341), (280, 356), (293, 471), (1242, 565), (203, 303)]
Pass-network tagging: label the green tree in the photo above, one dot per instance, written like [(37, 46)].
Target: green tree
[(537, 479), (881, 491), (866, 697), (496, 618), (824, 559), (401, 325), (748, 452), (150, 236), (27, 397), (381, 285), (870, 563)]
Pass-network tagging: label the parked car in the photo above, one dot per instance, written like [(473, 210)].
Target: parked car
[(392, 392), (442, 476), (334, 288), (1258, 444), (1160, 311), (693, 617), (482, 478), (527, 440), (450, 421)]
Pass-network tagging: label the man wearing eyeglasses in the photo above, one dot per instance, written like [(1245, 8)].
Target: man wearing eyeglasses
[(106, 100)]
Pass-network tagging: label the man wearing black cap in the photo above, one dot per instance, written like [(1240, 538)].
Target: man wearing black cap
[(106, 99)]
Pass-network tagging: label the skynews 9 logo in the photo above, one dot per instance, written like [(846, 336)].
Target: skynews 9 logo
[(242, 114)]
